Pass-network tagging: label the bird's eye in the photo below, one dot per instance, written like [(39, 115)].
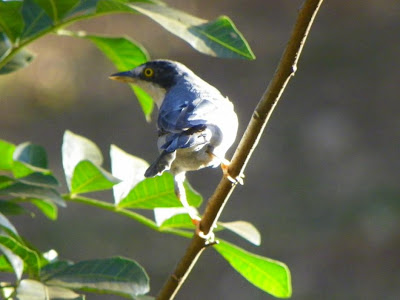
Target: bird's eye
[(148, 72)]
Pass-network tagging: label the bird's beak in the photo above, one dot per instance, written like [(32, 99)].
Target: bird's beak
[(127, 76)]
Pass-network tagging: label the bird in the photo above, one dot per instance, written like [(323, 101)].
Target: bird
[(196, 123)]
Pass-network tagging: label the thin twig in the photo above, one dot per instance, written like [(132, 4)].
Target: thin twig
[(285, 70)]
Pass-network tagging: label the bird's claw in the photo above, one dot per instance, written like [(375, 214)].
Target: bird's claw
[(209, 238), (225, 169)]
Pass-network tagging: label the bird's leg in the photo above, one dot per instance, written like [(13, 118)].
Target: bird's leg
[(181, 194), (225, 170)]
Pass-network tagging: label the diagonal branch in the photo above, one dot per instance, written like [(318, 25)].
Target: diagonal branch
[(285, 70)]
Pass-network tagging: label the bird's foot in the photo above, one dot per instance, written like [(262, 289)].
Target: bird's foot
[(209, 237), (225, 169)]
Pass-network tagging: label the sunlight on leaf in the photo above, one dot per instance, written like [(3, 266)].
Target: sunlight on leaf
[(48, 208), (216, 38), (6, 155), (245, 230), (112, 275), (88, 177), (14, 260), (130, 169), (171, 217), (269, 275), (76, 148), (29, 257), (158, 192), (29, 289)]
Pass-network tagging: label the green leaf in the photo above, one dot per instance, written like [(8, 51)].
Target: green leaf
[(29, 257), (130, 169), (158, 192), (11, 208), (11, 21), (89, 178), (123, 52), (76, 148), (6, 155), (4, 222), (29, 289), (6, 181), (269, 275), (52, 268), (12, 260), (216, 38), (244, 229), (48, 208), (31, 154), (35, 18), (173, 218), (22, 190), (112, 275), (57, 9), (146, 102), (39, 179)]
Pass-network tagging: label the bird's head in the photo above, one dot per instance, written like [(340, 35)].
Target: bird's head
[(155, 77)]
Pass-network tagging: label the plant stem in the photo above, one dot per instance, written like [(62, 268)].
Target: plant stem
[(285, 70), (125, 212)]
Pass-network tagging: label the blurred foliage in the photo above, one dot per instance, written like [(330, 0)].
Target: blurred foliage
[(82, 161), (22, 22)]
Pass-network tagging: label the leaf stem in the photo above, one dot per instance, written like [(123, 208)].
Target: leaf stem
[(125, 212), (285, 70)]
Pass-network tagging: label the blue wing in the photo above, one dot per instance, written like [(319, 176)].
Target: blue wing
[(183, 118)]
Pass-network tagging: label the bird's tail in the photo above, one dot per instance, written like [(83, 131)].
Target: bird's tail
[(161, 164)]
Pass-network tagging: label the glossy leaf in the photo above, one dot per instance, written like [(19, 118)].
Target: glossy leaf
[(5, 265), (173, 217), (12, 259), (130, 169), (22, 190), (39, 179), (4, 222), (124, 53), (90, 178), (56, 10), (29, 257), (216, 38), (52, 268), (244, 229), (146, 102), (158, 192), (113, 275), (11, 21), (31, 154), (36, 19), (269, 275), (76, 148), (6, 155), (29, 289)]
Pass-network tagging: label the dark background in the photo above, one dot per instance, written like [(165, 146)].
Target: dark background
[(322, 186)]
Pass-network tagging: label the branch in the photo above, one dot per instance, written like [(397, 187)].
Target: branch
[(285, 70)]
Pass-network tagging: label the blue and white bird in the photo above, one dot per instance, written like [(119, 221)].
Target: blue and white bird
[(196, 124)]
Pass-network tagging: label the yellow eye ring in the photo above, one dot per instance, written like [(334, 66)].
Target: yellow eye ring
[(148, 72)]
